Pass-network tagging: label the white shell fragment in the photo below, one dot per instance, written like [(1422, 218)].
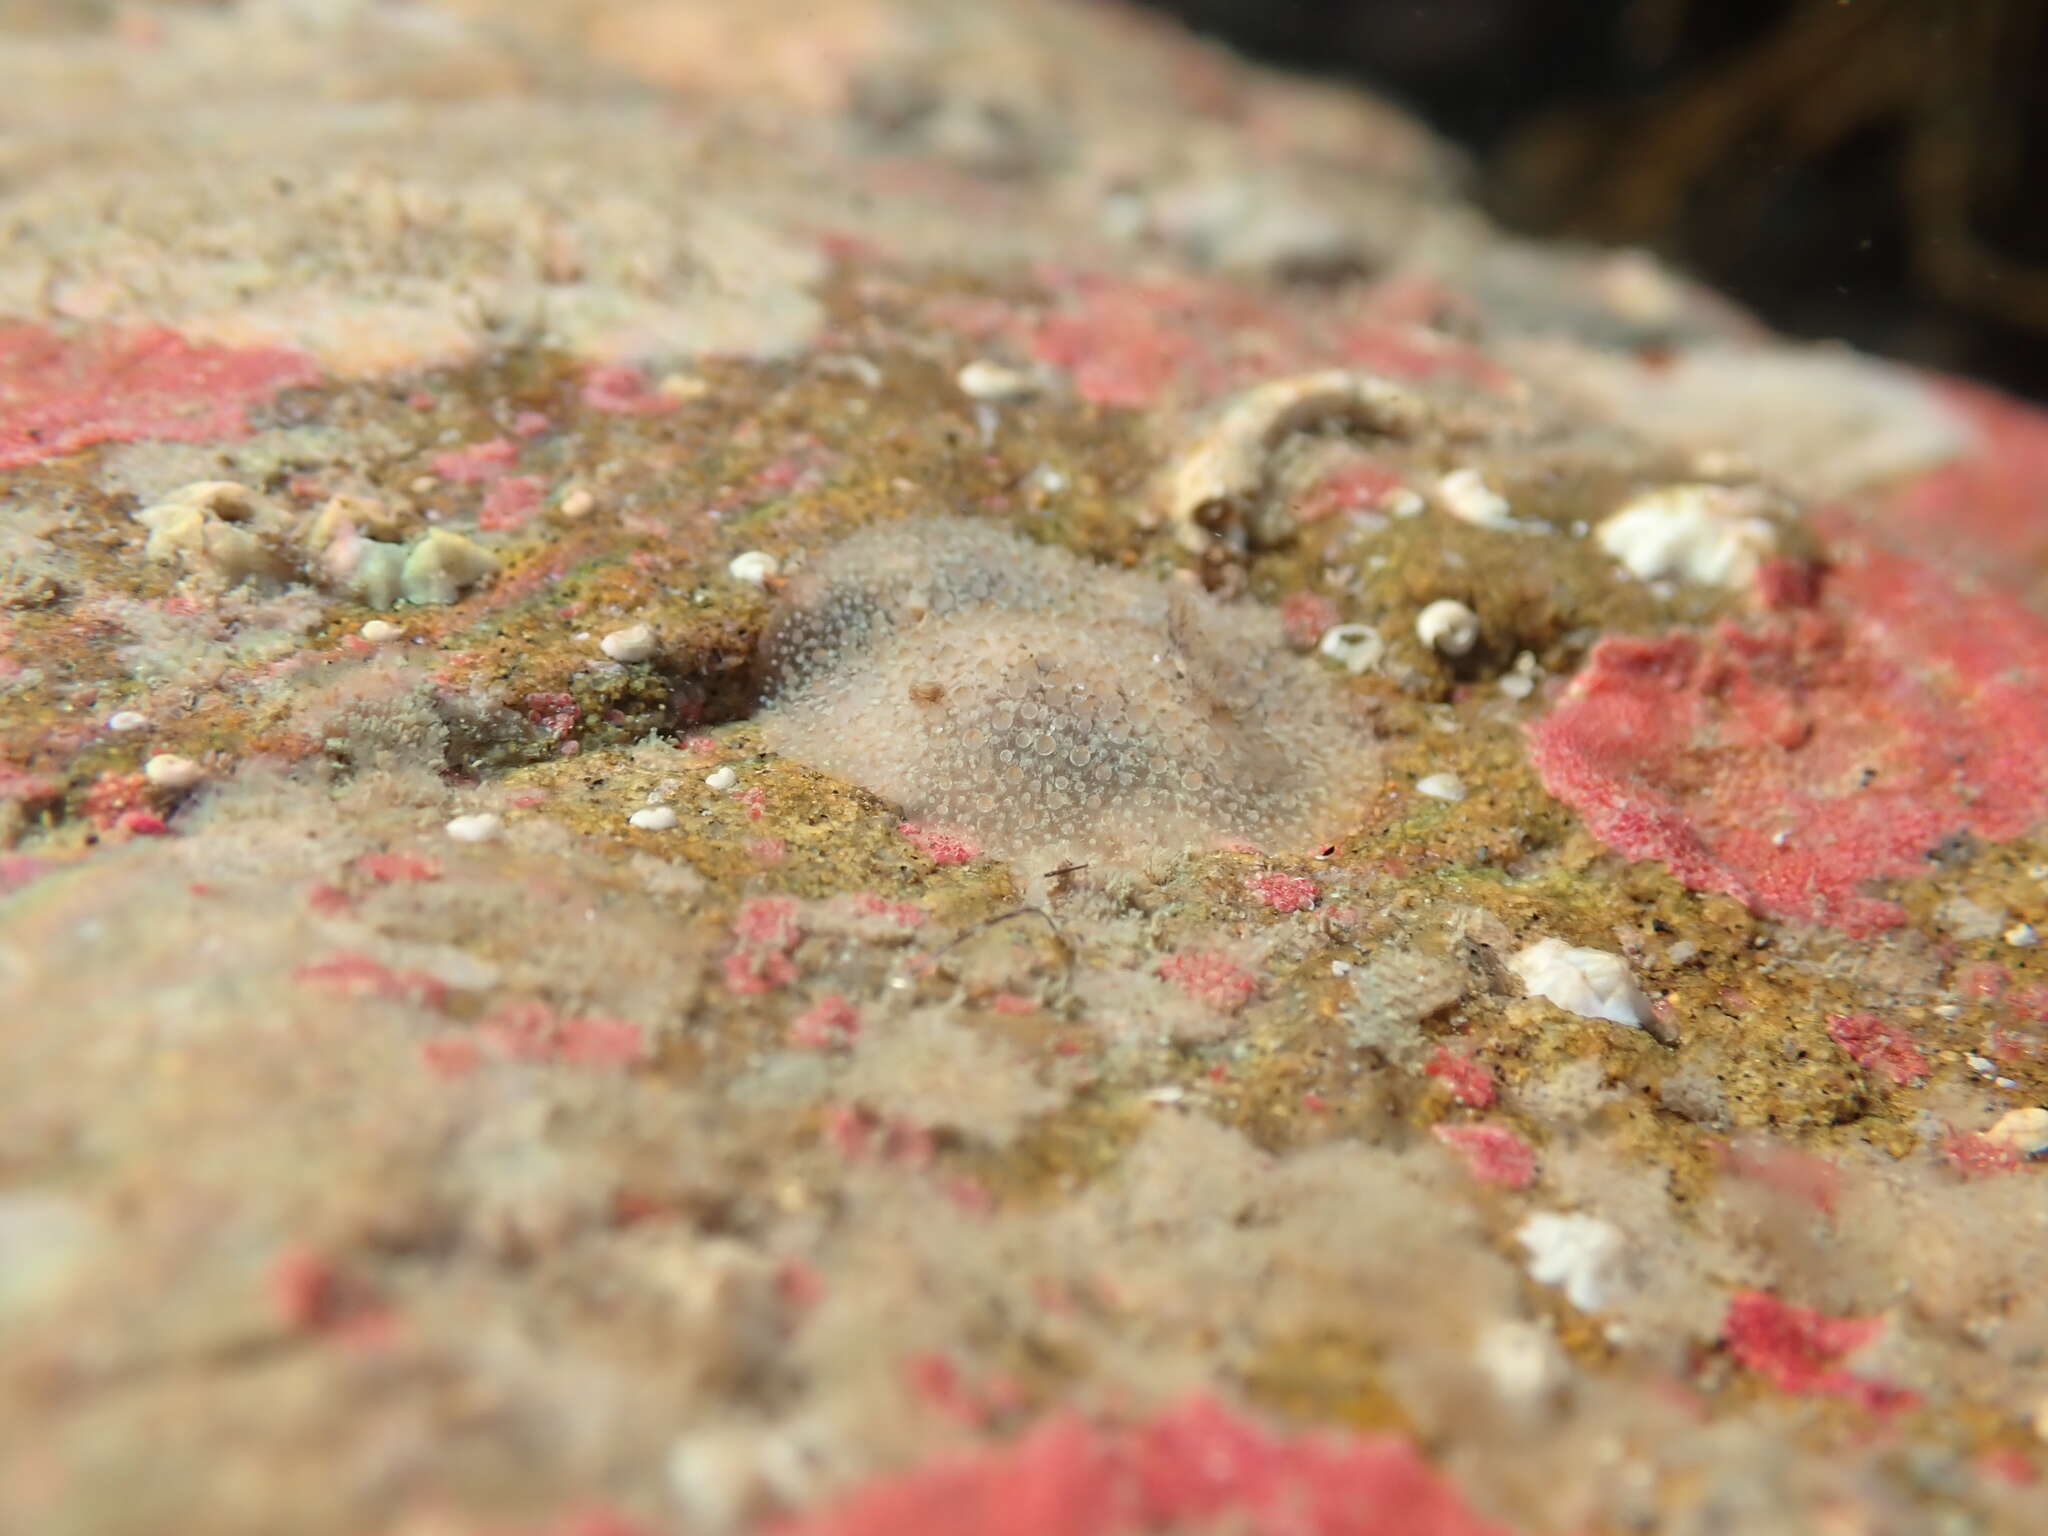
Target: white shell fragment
[(721, 778), (1357, 648), (478, 827), (754, 568), (2024, 1131), (1448, 626), (380, 631), (984, 380), (635, 643), (1223, 471), (654, 818), (1709, 535), (1441, 786), (1580, 1255), (127, 720), (1589, 982), (1467, 497), (167, 770)]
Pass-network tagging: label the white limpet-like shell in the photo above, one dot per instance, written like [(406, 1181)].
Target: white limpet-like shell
[(167, 770), (1589, 982), (2024, 1131), (634, 643), (1441, 786)]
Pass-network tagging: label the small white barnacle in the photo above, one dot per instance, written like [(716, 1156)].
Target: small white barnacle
[(1357, 648), (754, 567), (1448, 627)]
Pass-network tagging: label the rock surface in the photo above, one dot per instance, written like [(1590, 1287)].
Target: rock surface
[(479, 1086)]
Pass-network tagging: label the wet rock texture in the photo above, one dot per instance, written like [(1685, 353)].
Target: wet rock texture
[(467, 1066)]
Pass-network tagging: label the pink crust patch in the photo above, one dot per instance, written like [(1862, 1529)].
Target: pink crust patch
[(1283, 893), (1303, 618), (28, 788), (596, 1521), (1197, 1466), (478, 462), (624, 391), (1813, 1181), (904, 914), (511, 503), (826, 1025), (1994, 500), (1493, 1153), (1210, 978), (1975, 1155), (60, 393), (19, 870), (941, 845), (1130, 342), (398, 868), (1879, 1048), (114, 796), (310, 1294), (1789, 764), (1469, 1081), (765, 930), (1800, 1350), (1359, 486), (357, 975), (532, 1031)]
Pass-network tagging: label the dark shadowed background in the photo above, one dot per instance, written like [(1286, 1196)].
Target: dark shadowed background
[(1875, 170)]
